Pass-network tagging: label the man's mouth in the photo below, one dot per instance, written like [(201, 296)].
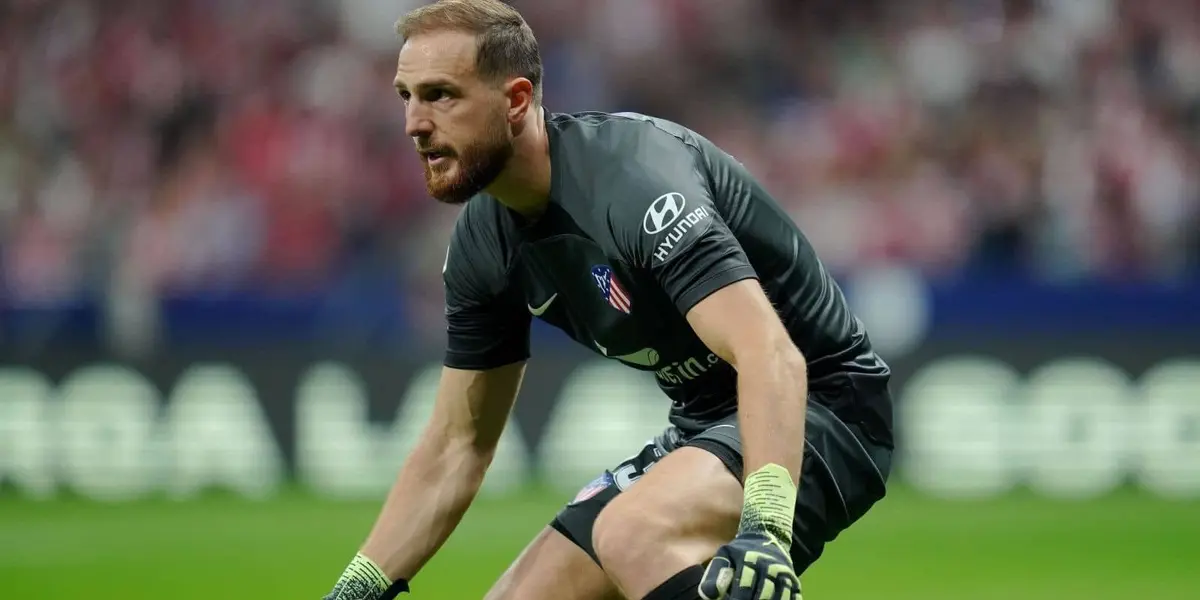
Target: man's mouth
[(435, 157)]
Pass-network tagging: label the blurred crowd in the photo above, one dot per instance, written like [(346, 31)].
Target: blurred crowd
[(200, 146)]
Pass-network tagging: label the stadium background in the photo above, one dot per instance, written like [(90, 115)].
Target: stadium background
[(220, 305)]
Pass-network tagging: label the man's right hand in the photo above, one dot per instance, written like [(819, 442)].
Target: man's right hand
[(364, 580)]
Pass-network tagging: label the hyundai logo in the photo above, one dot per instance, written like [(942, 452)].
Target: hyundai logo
[(663, 212)]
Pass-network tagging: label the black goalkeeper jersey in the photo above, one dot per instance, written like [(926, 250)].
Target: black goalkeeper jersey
[(646, 218)]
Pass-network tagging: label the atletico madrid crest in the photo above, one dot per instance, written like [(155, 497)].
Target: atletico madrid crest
[(597, 485), (613, 292)]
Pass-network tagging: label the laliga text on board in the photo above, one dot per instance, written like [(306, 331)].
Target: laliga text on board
[(968, 427)]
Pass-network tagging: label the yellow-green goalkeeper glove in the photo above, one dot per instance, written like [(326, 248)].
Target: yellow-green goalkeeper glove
[(757, 565), (364, 580)]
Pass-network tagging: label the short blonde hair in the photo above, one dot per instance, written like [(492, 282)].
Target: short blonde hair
[(506, 45)]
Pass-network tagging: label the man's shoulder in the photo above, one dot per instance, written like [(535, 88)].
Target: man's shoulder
[(610, 158), (636, 172), (599, 133)]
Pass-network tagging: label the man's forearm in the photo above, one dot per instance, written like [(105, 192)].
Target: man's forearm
[(772, 401), (772, 391), (432, 492)]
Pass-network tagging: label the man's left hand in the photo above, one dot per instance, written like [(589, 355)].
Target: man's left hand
[(757, 565), (754, 566)]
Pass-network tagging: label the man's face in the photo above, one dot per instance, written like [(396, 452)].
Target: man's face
[(457, 120)]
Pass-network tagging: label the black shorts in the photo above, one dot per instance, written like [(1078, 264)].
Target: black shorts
[(844, 473)]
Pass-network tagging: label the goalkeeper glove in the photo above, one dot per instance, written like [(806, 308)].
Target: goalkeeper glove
[(757, 564), (364, 580)]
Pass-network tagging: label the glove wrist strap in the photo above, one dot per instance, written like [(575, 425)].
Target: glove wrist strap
[(770, 503), (362, 579)]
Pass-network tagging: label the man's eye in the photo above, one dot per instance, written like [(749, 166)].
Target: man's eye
[(404, 95), (435, 95)]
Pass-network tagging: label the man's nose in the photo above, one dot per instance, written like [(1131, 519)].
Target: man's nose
[(416, 121)]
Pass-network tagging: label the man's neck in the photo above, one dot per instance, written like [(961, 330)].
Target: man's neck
[(524, 186)]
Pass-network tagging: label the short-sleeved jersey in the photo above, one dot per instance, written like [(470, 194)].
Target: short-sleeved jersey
[(646, 218)]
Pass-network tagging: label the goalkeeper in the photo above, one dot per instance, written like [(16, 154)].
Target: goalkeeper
[(647, 244)]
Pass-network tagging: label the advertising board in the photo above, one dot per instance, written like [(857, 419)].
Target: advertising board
[(1067, 420)]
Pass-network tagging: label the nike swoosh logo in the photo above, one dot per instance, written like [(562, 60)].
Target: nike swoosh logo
[(646, 357), (539, 311)]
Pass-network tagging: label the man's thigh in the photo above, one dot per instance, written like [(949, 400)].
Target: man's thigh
[(656, 513), (577, 519), (673, 518), (553, 568), (843, 475), (560, 563)]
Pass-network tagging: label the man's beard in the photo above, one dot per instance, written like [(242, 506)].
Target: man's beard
[(477, 166)]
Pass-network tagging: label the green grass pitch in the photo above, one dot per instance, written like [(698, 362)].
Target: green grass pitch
[(1121, 547)]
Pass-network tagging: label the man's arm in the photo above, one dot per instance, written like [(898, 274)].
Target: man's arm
[(441, 477), (667, 222), (438, 481), (739, 324), (487, 344)]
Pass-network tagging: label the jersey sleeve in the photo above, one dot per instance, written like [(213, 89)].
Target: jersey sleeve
[(664, 220), (485, 328)]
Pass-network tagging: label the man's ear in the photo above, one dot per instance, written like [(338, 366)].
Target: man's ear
[(519, 91)]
